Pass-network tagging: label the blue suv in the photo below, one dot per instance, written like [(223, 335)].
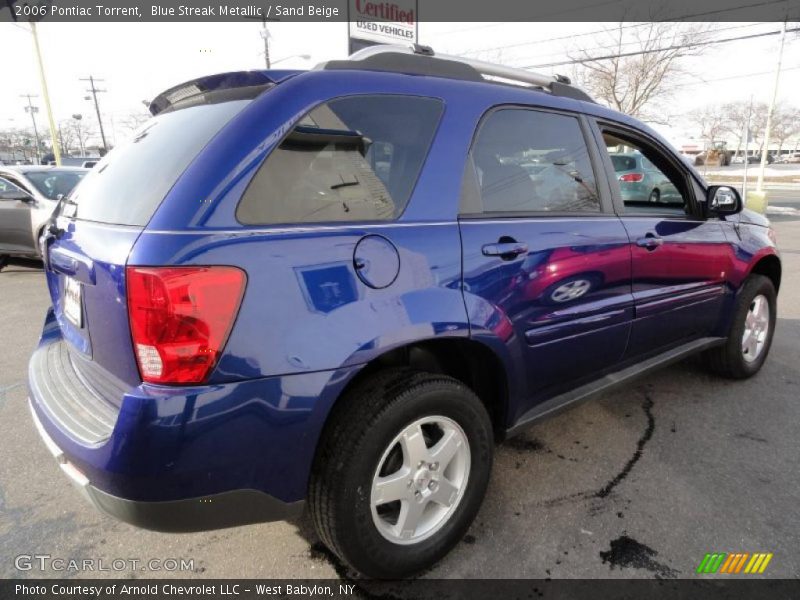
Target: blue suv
[(339, 288)]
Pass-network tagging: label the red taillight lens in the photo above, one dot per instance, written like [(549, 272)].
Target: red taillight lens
[(631, 177), (180, 319)]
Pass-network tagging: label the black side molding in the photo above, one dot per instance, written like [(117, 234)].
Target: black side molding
[(610, 381)]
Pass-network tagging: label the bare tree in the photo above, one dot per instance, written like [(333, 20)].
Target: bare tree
[(712, 120), (737, 114), (66, 137), (18, 144), (81, 132), (135, 119), (785, 124), (632, 74)]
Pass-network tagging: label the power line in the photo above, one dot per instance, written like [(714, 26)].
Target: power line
[(633, 42), (553, 39), (628, 26), (654, 50), (741, 76)]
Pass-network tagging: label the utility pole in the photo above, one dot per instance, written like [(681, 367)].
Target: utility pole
[(94, 92), (33, 110), (265, 36), (48, 109), (765, 152), (746, 146)]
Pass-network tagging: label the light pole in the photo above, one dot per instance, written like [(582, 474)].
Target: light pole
[(746, 146), (56, 149), (760, 185), (79, 131), (33, 110)]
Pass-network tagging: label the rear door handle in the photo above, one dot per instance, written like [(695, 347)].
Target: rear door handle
[(505, 250), (649, 242)]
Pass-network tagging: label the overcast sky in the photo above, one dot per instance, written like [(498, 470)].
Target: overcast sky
[(137, 61)]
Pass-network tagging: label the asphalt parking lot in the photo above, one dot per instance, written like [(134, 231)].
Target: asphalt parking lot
[(639, 483)]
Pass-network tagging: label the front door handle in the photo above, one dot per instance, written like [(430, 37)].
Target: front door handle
[(649, 242), (505, 250)]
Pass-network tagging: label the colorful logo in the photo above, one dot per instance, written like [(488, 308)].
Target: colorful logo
[(735, 562)]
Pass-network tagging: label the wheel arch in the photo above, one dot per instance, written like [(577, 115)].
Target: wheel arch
[(770, 267), (471, 362)]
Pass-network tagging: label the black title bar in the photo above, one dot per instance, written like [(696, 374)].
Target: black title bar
[(428, 10)]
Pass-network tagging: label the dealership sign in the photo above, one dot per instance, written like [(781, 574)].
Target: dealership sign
[(374, 22)]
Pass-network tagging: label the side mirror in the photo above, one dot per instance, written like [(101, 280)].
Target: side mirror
[(16, 195), (723, 200)]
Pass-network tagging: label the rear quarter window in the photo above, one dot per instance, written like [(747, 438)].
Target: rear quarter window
[(128, 184), (623, 163), (350, 159)]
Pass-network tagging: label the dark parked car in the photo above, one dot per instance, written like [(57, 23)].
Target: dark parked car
[(341, 287)]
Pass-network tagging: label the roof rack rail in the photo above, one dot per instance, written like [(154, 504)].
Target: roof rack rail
[(416, 59)]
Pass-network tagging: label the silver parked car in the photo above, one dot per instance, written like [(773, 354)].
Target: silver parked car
[(28, 196)]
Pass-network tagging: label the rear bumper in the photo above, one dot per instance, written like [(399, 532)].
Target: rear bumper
[(181, 458), (227, 509)]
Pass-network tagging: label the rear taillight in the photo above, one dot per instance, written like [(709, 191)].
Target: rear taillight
[(631, 177), (180, 319)]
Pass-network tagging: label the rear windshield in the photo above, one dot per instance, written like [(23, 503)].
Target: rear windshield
[(623, 163), (53, 182), (129, 183), (351, 159)]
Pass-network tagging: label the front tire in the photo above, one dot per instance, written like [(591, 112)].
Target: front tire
[(401, 472), (750, 337)]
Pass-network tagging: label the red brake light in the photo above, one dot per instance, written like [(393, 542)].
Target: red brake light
[(180, 319), (632, 177)]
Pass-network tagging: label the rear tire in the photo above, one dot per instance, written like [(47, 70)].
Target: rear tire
[(750, 337), (352, 469), (655, 197)]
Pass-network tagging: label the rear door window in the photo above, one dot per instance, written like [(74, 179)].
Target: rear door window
[(350, 159), (129, 183), (530, 161)]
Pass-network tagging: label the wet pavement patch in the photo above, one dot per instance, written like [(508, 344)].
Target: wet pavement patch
[(627, 552), (647, 406), (748, 435), (523, 444), (320, 552)]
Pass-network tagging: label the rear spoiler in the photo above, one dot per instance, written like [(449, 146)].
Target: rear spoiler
[(215, 88)]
